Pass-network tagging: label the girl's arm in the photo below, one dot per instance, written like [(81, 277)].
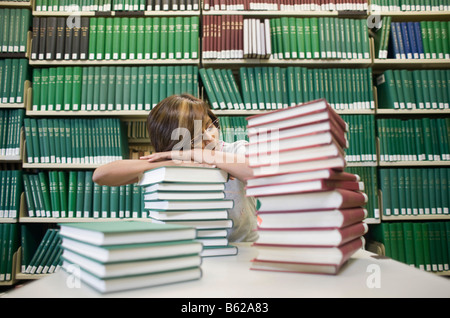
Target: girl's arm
[(235, 164), (123, 172)]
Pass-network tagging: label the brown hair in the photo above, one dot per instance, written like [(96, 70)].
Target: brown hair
[(173, 112)]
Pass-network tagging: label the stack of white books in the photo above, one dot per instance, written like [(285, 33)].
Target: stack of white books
[(191, 196)]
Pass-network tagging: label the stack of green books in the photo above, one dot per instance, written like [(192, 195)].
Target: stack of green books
[(191, 196), (116, 256)]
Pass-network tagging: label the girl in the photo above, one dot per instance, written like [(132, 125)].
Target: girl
[(184, 131)]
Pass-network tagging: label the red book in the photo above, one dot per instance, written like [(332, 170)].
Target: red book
[(318, 260), (292, 116), (329, 174), (275, 167), (336, 218), (303, 187), (333, 199), (283, 146), (312, 236)]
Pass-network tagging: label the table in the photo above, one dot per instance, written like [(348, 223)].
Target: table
[(365, 275)]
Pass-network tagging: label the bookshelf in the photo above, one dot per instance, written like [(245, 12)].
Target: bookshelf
[(375, 64)]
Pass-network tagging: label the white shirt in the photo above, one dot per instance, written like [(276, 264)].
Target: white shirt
[(243, 212)]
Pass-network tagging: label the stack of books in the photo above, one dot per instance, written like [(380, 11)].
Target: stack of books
[(191, 196), (310, 210), (115, 256)]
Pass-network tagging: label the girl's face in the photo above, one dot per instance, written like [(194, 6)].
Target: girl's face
[(209, 137)]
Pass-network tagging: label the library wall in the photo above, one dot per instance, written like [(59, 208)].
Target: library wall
[(78, 78)]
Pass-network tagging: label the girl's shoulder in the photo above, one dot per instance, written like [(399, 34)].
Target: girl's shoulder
[(237, 147)]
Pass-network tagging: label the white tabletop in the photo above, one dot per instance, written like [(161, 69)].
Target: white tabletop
[(365, 275)]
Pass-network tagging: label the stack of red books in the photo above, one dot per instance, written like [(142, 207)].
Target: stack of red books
[(310, 209)]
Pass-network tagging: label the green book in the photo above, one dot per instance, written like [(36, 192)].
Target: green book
[(92, 38), (116, 37), (132, 38), (96, 200), (162, 82), (68, 88), (96, 83), (155, 86), (72, 194), (171, 38), (114, 203), (183, 42), (156, 37), (148, 38), (108, 38), (140, 36), (222, 86), (63, 194), (100, 38), (316, 36), (88, 194), (209, 90), (133, 87), (124, 38), (164, 41), (103, 93), (90, 86), (195, 30), (110, 105), (118, 98), (76, 87), (105, 202), (217, 91), (43, 86)]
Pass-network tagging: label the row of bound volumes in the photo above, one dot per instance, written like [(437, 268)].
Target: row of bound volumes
[(115, 38), (13, 74), (114, 5), (110, 87), (58, 38), (143, 38), (319, 38), (424, 139), (11, 123), (424, 245), (283, 5), (413, 191), (13, 33), (77, 141), (361, 137), (9, 238), (277, 87), (419, 40), (47, 257), (73, 194), (408, 5), (233, 128), (11, 190), (130, 255), (417, 89)]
